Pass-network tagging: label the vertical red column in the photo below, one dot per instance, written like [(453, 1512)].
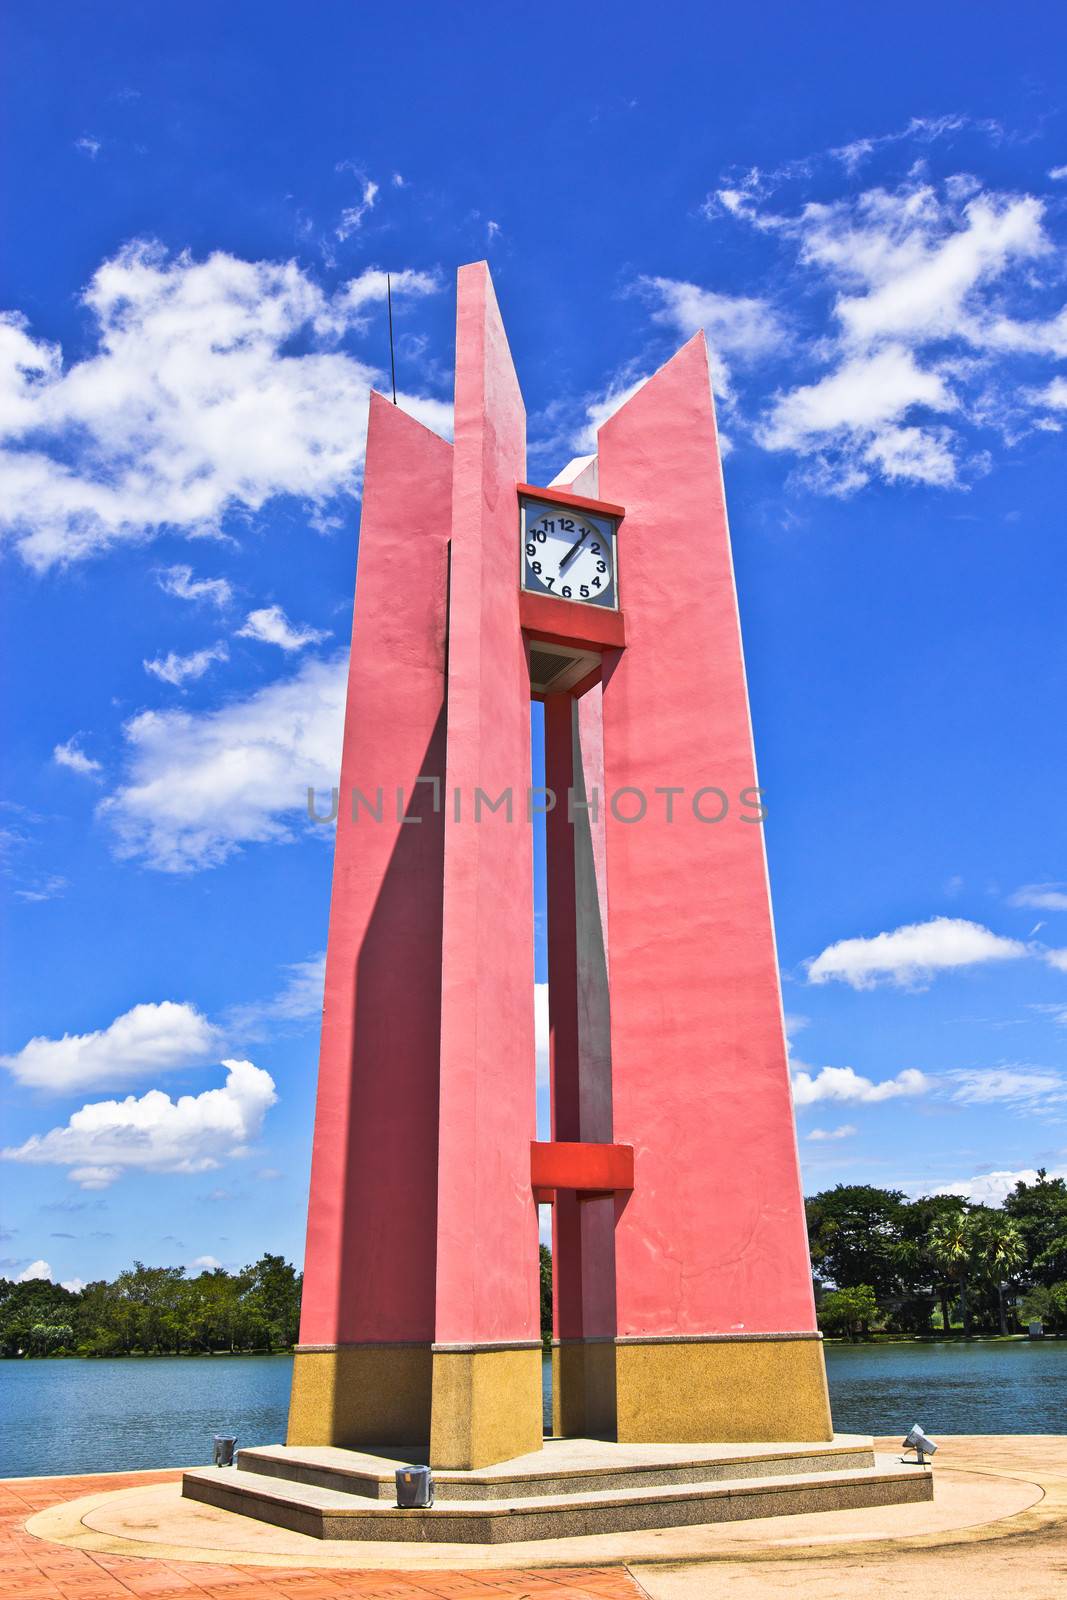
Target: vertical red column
[(716, 1321), (363, 1367), (487, 1354), (583, 1400)]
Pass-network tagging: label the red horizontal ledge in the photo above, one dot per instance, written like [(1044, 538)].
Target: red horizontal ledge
[(585, 1168), (561, 497), (544, 616)]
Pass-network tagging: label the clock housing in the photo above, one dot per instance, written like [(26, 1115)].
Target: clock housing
[(569, 549)]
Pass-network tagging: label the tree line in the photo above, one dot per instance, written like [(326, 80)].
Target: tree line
[(155, 1311), (882, 1264), (939, 1264)]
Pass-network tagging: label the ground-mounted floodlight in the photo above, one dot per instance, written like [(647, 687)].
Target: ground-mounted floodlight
[(225, 1444), (921, 1443), (414, 1487)]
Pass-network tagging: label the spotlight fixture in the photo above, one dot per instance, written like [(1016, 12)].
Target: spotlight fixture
[(921, 1443), (414, 1487)]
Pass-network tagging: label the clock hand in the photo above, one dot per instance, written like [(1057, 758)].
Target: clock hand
[(574, 548)]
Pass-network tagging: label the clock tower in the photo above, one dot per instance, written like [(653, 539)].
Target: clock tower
[(683, 1307)]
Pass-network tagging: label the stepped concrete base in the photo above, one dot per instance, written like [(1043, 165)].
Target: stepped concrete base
[(572, 1487)]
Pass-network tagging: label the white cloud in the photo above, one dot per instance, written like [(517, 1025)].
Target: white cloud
[(179, 581), (1042, 896), (1053, 395), (859, 407), (44, 889), (199, 786), (204, 1264), (73, 1285), (272, 626), (843, 1084), (371, 288), (992, 1188), (736, 325), (352, 216), (1029, 1088), (144, 1041), (1057, 173), (176, 669), (154, 1133), (71, 756), (88, 146), (910, 956), (298, 1000), (35, 1271), (1056, 958), (597, 410), (930, 289), (845, 1131), (194, 403)]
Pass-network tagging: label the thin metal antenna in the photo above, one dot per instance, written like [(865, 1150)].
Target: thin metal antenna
[(392, 352)]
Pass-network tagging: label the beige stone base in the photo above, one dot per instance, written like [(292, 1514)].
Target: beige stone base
[(726, 1390), (583, 1389), (361, 1395), (486, 1405)]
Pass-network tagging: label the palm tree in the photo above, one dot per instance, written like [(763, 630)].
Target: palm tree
[(950, 1246), (1003, 1251)]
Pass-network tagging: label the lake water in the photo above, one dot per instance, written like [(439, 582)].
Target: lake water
[(110, 1416)]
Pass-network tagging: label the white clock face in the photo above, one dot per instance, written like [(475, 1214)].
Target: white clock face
[(568, 553)]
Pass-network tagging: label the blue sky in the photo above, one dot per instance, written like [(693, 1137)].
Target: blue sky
[(867, 214)]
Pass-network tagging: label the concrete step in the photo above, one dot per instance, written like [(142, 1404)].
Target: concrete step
[(563, 1466), (331, 1514)]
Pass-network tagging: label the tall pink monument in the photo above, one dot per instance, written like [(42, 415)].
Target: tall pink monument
[(683, 1300)]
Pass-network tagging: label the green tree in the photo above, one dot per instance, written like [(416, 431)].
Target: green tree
[(1001, 1251), (848, 1311), (546, 1292), (855, 1233), (950, 1245), (1040, 1212)]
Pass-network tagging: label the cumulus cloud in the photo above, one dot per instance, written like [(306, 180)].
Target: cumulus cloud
[(843, 1084), (154, 1133), (271, 625), (910, 956), (71, 755), (738, 327), (215, 385), (929, 288), (144, 1041), (845, 1131), (204, 1264), (179, 581), (176, 669), (35, 1271), (993, 1188), (199, 786)]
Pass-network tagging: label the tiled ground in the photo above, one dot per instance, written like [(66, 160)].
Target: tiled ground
[(37, 1570)]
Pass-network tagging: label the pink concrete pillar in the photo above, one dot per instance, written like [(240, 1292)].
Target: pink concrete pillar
[(363, 1367), (716, 1319), (486, 1394)]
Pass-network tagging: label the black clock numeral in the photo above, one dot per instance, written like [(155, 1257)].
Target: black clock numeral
[(540, 535), (594, 549), (546, 523), (585, 591), (567, 524), (531, 549), (548, 582), (601, 566), (536, 567), (566, 591), (596, 583)]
